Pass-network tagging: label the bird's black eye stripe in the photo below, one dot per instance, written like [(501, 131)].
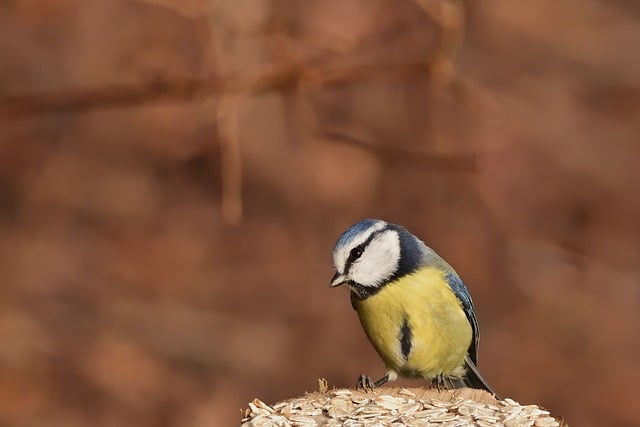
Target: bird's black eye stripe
[(357, 251), (355, 254)]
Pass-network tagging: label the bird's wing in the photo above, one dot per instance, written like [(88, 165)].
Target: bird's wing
[(461, 291), (474, 379)]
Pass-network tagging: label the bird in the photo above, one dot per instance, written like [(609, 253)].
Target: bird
[(414, 308)]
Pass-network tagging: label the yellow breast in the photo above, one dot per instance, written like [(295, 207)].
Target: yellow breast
[(440, 333)]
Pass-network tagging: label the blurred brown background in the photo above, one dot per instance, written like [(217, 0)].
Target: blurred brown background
[(173, 175)]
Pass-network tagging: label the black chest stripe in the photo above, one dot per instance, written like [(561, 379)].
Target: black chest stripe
[(405, 338)]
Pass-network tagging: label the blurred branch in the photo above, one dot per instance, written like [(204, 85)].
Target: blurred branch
[(187, 8), (186, 89), (459, 162), (449, 15), (227, 115)]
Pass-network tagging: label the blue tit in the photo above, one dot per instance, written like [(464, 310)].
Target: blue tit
[(413, 306)]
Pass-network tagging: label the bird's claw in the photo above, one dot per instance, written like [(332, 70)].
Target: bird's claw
[(365, 383), (441, 381)]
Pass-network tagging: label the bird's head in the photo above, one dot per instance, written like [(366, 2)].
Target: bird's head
[(372, 253)]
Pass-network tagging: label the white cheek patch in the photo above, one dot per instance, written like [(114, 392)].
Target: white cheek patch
[(340, 258), (341, 255), (379, 261)]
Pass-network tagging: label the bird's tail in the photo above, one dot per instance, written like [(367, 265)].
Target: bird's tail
[(473, 378)]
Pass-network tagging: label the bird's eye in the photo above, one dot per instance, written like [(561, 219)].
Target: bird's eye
[(356, 252)]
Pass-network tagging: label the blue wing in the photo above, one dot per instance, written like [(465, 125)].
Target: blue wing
[(461, 291)]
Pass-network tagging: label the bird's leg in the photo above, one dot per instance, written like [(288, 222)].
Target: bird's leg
[(439, 381), (457, 382), (367, 384), (382, 381), (450, 385)]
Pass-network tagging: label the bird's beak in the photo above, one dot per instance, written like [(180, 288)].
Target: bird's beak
[(337, 280)]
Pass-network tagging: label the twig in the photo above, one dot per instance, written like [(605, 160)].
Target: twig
[(458, 162), (270, 78), (227, 115)]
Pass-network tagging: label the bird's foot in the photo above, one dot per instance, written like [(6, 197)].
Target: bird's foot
[(365, 383), (442, 383)]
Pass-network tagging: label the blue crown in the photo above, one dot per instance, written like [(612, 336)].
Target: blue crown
[(354, 230)]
